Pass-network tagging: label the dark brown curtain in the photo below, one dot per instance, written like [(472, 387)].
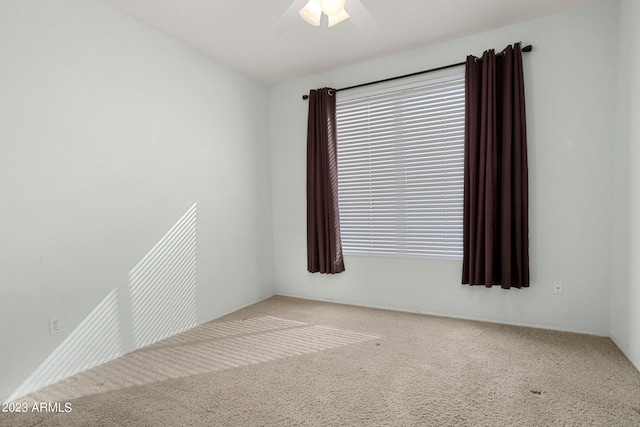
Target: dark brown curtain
[(496, 230), (324, 247)]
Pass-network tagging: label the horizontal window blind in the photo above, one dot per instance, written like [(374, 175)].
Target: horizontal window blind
[(400, 170)]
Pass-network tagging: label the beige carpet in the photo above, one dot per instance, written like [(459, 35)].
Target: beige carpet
[(291, 362)]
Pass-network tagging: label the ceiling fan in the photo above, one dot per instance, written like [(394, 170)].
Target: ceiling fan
[(335, 11)]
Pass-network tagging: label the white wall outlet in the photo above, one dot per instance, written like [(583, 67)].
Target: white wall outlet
[(55, 326), (252, 272), (558, 288)]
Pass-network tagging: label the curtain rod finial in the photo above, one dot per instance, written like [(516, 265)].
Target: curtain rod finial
[(305, 97)]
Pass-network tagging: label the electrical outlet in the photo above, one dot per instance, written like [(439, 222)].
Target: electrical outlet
[(558, 288), (252, 272), (55, 326)]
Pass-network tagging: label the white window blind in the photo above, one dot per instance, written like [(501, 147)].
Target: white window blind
[(400, 170)]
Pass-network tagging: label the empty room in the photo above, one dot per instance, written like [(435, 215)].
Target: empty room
[(319, 212)]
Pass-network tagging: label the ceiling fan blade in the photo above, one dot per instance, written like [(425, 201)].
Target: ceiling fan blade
[(361, 17), (287, 18)]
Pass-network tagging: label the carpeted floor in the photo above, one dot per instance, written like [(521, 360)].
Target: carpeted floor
[(291, 362)]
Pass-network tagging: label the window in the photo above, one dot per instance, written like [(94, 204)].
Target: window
[(400, 169)]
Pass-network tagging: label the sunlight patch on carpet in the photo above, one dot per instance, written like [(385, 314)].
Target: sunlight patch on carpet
[(212, 347)]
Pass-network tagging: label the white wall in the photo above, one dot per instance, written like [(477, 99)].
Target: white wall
[(109, 133), (625, 293), (571, 96)]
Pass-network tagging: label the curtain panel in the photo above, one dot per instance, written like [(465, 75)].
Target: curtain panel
[(495, 218), (324, 246)]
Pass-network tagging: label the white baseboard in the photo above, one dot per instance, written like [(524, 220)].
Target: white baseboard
[(240, 307), (635, 363), (453, 316)]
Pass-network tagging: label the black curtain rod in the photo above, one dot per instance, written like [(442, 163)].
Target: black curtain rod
[(527, 48)]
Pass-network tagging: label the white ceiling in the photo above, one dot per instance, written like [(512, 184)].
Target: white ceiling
[(237, 32)]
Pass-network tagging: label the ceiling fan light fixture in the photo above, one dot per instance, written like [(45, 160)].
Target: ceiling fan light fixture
[(312, 12), (333, 7), (338, 18)]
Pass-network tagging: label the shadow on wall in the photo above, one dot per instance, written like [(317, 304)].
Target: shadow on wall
[(162, 292)]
